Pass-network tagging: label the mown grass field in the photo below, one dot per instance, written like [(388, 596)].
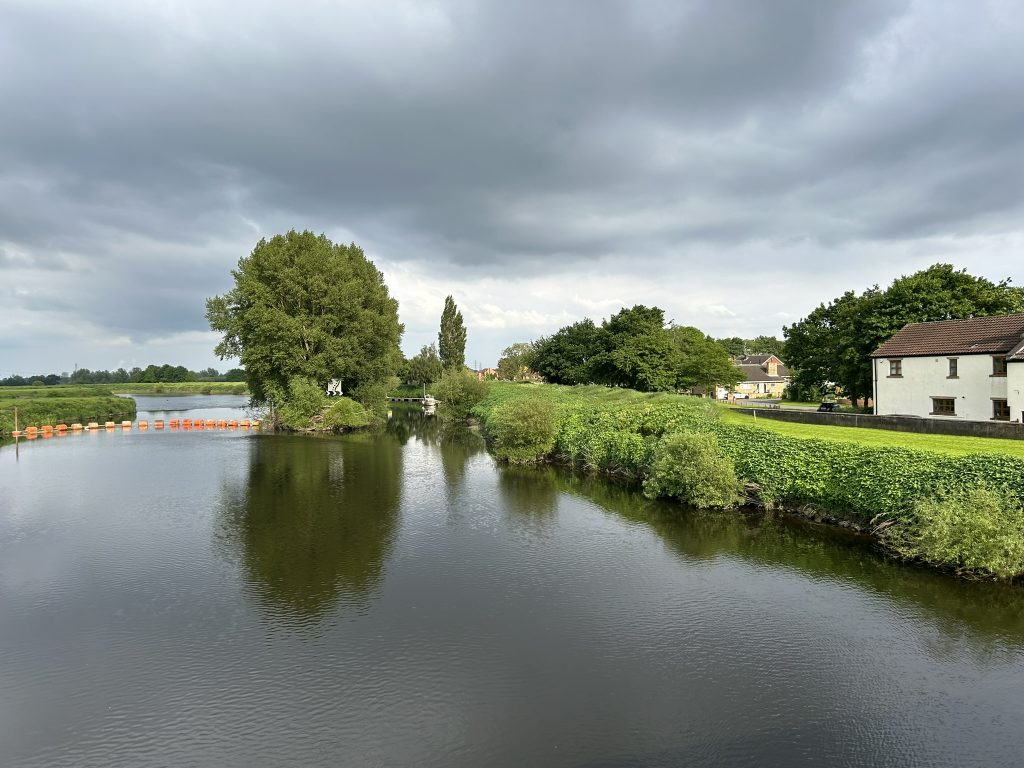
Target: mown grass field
[(953, 445)]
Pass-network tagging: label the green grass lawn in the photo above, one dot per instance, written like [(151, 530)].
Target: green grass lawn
[(949, 444)]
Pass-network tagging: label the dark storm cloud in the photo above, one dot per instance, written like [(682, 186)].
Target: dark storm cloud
[(495, 135)]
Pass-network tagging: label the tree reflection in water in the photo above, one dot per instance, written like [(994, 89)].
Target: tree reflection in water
[(315, 522)]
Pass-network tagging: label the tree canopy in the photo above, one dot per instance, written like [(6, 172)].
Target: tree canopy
[(451, 339), (517, 360), (833, 343), (634, 349), (305, 307), (425, 368)]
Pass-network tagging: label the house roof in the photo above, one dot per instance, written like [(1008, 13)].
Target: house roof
[(756, 359), (753, 372), (1002, 334)]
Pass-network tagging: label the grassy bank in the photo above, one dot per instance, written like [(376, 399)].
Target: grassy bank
[(183, 388), (38, 406), (859, 476)]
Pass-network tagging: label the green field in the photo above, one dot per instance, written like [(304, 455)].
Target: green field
[(883, 438)]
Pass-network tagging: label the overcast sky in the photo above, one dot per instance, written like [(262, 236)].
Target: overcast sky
[(735, 163)]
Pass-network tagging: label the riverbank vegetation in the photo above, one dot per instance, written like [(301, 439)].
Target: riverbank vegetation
[(39, 406), (182, 388), (304, 312), (624, 433)]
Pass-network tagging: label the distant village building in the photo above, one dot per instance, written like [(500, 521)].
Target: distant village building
[(486, 374), (953, 369), (765, 376)]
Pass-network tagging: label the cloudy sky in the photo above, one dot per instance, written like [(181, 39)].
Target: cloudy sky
[(735, 163)]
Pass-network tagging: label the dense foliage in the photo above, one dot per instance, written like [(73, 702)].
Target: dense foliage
[(735, 346), (307, 407), (522, 430), (634, 349), (691, 467), (151, 374), (517, 361), (451, 338), (424, 368), (305, 307), (458, 392), (833, 343), (976, 530), (619, 432)]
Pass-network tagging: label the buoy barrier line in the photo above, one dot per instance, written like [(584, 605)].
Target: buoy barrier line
[(62, 430)]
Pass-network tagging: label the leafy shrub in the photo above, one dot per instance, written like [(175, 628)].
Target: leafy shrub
[(975, 529), (458, 392), (345, 413), (305, 400), (692, 468), (523, 430)]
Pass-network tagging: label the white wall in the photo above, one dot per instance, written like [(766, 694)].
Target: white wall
[(927, 377), (1015, 390)]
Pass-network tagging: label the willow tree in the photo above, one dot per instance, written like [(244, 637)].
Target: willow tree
[(304, 307)]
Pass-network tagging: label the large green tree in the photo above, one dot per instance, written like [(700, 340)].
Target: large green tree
[(833, 343), (516, 361), (703, 361), (567, 356), (451, 339), (305, 307), (425, 368)]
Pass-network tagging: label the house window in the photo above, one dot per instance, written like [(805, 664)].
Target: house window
[(998, 365), (943, 406), (952, 368), (1000, 410), (895, 367)]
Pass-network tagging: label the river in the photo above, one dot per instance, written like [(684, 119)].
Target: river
[(228, 598)]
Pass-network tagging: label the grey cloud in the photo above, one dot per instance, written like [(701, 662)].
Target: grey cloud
[(500, 137)]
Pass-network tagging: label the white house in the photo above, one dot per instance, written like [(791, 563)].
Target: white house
[(953, 369)]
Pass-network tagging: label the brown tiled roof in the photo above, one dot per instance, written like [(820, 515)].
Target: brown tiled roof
[(1002, 334), (757, 373)]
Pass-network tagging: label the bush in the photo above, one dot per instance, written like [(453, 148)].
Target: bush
[(305, 400), (523, 430), (459, 391), (345, 413), (976, 530), (691, 467)]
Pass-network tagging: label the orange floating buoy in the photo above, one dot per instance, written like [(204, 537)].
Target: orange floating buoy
[(158, 424), (143, 425), (17, 433), (244, 424), (109, 424), (221, 424), (31, 430), (174, 423), (93, 425), (198, 424), (232, 425), (126, 424), (256, 423), (47, 429), (61, 427), (210, 423), (186, 424), (31, 435), (76, 427)]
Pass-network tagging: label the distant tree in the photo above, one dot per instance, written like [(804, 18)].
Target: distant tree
[(734, 346), (235, 374), (704, 362), (833, 343), (303, 307), (425, 368), (516, 360), (647, 363), (767, 345), (567, 356), (451, 339)]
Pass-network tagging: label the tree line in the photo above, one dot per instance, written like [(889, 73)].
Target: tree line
[(159, 374), (833, 344)]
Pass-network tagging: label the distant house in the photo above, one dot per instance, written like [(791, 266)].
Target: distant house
[(486, 374), (764, 376), (953, 369)]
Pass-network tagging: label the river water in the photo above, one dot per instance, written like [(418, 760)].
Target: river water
[(239, 599)]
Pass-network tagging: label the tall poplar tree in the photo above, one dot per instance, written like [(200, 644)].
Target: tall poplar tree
[(451, 340)]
